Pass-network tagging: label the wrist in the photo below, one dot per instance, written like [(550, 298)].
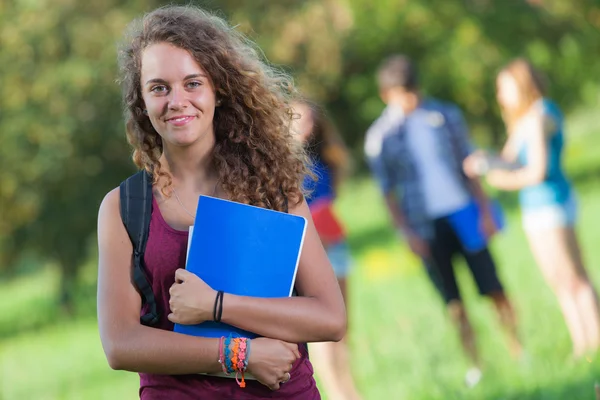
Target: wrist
[(234, 355), (218, 306)]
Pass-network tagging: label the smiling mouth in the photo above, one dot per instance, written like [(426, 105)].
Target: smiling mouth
[(181, 120)]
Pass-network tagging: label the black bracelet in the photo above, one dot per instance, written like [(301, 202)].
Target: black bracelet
[(215, 306), (220, 296)]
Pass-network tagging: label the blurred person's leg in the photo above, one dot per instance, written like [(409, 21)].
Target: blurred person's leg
[(483, 269), (508, 319), (342, 359), (441, 271), (561, 277), (585, 295), (322, 359), (332, 360), (555, 248)]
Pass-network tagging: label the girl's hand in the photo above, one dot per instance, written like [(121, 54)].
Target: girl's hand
[(475, 165), (192, 300), (271, 361)]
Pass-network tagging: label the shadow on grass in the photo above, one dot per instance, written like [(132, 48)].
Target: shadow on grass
[(579, 390), (40, 312)]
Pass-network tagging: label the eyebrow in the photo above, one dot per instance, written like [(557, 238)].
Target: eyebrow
[(191, 76)]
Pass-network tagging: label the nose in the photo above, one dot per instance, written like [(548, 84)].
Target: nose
[(177, 100)]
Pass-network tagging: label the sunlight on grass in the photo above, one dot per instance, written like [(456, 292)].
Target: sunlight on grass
[(403, 345)]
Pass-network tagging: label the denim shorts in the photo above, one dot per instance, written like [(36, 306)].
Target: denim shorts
[(550, 216), (340, 259)]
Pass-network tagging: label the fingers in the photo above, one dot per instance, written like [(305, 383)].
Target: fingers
[(181, 275), (293, 347), (173, 318), (282, 379)]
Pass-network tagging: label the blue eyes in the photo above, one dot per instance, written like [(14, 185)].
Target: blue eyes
[(160, 89)]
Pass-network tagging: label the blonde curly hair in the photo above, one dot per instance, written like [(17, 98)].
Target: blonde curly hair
[(255, 154)]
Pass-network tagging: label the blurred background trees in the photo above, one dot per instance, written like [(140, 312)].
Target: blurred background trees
[(62, 142)]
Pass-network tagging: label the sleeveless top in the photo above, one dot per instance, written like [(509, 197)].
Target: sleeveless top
[(165, 252), (555, 189)]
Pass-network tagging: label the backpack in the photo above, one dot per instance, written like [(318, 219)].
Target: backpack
[(136, 211)]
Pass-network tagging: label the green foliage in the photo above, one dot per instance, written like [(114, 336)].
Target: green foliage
[(62, 143), (403, 345)]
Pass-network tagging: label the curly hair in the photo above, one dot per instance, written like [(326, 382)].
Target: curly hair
[(256, 157)]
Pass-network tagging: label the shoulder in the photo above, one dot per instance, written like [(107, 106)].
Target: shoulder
[(544, 114), (550, 110), (439, 112), (447, 108), (110, 206)]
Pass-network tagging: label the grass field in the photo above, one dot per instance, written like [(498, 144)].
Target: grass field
[(403, 344)]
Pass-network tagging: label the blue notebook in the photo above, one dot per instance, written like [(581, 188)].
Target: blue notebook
[(242, 250)]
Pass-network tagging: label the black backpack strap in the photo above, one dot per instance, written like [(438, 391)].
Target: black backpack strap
[(136, 210)]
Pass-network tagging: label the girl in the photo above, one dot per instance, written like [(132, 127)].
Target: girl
[(329, 164), (205, 116), (535, 141)]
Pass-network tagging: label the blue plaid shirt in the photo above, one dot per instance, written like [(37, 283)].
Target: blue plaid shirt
[(392, 164)]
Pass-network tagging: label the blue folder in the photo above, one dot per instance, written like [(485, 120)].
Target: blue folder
[(466, 225), (242, 250)]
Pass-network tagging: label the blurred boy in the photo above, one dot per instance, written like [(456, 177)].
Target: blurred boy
[(415, 150)]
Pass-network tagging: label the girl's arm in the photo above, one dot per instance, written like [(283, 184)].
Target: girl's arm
[(130, 346), (537, 158), (316, 315)]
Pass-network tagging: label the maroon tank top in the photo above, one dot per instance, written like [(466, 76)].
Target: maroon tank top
[(165, 252)]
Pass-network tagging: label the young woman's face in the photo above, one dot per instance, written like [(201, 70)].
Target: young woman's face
[(178, 94), (302, 124), (507, 91)]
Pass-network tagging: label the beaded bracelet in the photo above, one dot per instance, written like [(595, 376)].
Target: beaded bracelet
[(242, 361), (227, 355), (233, 356), (222, 354)]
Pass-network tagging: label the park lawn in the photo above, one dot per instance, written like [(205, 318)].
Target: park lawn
[(403, 344)]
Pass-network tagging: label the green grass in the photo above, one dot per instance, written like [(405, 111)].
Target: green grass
[(403, 344)]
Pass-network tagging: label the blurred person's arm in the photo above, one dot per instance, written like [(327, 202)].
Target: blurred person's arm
[(416, 243), (386, 179), (538, 127), (131, 346), (456, 123)]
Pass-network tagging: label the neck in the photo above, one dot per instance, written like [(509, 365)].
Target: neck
[(191, 166)]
